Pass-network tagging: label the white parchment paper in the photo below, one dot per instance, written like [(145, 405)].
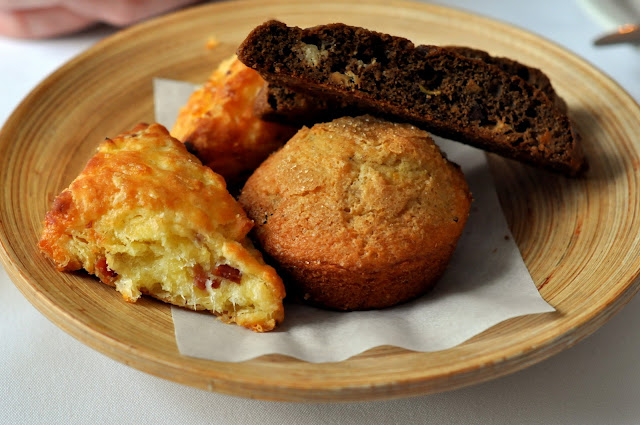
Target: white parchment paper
[(485, 283)]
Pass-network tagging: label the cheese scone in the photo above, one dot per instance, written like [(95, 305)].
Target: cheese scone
[(147, 217), (219, 124)]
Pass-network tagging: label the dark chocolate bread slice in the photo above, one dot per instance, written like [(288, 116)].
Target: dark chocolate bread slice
[(276, 103), (435, 88)]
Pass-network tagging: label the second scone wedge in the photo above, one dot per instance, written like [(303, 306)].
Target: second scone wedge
[(147, 217)]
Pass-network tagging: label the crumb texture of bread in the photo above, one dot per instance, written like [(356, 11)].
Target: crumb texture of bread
[(219, 124), (358, 213), (437, 89), (530, 74), (146, 217), (280, 104)]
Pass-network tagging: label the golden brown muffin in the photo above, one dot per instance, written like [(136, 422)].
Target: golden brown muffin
[(219, 122), (147, 217), (359, 213)]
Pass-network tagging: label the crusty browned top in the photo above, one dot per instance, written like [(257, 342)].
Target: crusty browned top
[(449, 94), (143, 169), (357, 193)]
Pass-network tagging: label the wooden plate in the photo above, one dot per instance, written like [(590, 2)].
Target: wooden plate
[(579, 237)]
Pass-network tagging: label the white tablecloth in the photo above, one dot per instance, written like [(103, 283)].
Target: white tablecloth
[(46, 376)]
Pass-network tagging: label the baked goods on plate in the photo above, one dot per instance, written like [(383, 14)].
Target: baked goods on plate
[(146, 217), (358, 213)]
